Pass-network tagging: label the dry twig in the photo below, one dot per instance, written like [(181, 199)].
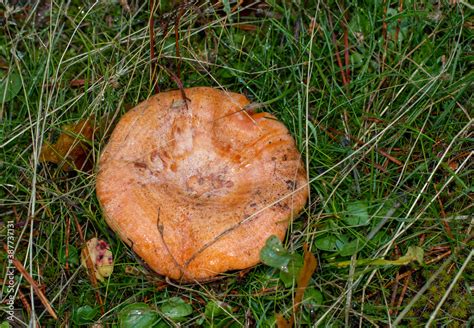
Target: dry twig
[(33, 284)]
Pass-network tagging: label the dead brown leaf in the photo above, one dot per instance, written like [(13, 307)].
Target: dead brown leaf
[(309, 266), (77, 83), (281, 322), (453, 165), (71, 150)]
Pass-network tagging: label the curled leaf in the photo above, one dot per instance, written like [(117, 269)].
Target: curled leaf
[(413, 254), (71, 150), (101, 257)]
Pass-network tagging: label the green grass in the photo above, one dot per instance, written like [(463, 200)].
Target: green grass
[(410, 98)]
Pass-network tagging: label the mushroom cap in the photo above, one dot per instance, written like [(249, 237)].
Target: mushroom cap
[(196, 187)]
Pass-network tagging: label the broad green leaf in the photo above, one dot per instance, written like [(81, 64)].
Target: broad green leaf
[(10, 85), (73, 257), (312, 300), (84, 314), (313, 296), (357, 213), (360, 24), (380, 237), (274, 254), (351, 248), (292, 270), (216, 309), (330, 242), (138, 315), (176, 308), (268, 321), (4, 324)]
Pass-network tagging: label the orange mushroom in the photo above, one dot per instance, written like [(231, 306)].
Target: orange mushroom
[(196, 186)]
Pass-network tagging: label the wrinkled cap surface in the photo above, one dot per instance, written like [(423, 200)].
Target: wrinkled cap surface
[(195, 188)]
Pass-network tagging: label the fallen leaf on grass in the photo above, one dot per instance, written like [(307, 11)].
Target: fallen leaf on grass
[(453, 165), (309, 266), (71, 150), (77, 83), (99, 253)]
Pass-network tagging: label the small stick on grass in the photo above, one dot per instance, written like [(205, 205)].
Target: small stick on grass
[(389, 157), (27, 306), (153, 66), (443, 215), (395, 285), (21, 269), (346, 51), (338, 57), (176, 36), (384, 33), (402, 294), (358, 142), (439, 257), (79, 229), (179, 83), (394, 294), (66, 252)]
